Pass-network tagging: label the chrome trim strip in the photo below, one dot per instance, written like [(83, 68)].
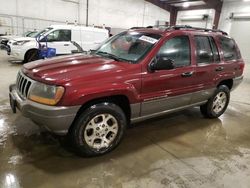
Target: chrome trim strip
[(162, 104), (167, 105), (138, 119)]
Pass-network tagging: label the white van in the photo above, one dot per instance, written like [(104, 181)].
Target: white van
[(64, 38)]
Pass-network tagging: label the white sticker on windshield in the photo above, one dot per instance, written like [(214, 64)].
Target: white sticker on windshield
[(148, 39)]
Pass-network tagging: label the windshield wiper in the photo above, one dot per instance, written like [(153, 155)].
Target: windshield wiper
[(112, 56)]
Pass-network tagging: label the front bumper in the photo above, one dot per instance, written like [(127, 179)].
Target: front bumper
[(16, 52), (56, 119), (3, 45)]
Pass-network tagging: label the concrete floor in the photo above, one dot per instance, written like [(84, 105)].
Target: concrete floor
[(178, 150)]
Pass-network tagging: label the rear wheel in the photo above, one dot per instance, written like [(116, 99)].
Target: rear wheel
[(217, 104), (31, 55), (98, 129)]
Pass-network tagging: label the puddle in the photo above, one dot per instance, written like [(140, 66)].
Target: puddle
[(17, 159), (5, 129)]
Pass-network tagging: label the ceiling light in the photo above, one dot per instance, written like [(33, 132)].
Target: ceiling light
[(246, 0), (185, 5)]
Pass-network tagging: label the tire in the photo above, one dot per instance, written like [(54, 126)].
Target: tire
[(31, 55), (217, 104), (92, 135)]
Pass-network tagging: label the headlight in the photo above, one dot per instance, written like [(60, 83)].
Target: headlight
[(20, 43), (46, 94)]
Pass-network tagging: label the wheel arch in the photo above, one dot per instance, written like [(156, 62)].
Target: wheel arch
[(29, 50), (228, 83), (120, 100)]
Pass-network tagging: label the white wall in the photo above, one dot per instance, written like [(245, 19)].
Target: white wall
[(239, 29), (125, 14), (229, 7), (29, 14), (17, 16), (190, 13)]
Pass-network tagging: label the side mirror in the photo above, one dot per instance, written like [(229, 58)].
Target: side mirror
[(161, 63)]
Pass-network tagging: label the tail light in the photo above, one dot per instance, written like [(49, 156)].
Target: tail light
[(242, 66)]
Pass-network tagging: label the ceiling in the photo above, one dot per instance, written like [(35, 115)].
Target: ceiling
[(188, 4), (193, 3), (182, 3)]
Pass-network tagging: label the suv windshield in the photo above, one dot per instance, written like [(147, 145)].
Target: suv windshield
[(32, 34), (128, 46), (43, 32)]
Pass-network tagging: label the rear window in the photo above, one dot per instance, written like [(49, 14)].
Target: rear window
[(229, 49)]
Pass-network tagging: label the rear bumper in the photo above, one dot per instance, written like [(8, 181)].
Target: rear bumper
[(54, 118), (236, 82)]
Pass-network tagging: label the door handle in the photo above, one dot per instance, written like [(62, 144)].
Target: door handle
[(66, 44), (219, 69), (187, 74)]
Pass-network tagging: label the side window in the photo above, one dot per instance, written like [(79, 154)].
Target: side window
[(215, 50), (229, 49), (59, 36), (178, 50), (203, 50)]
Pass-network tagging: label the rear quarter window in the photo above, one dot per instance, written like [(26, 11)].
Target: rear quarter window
[(229, 49)]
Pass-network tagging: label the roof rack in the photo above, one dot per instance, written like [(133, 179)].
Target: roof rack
[(179, 27)]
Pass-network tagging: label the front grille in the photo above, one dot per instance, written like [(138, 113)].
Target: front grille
[(4, 42), (23, 84)]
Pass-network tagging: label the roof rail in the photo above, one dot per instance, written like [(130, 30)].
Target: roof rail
[(179, 27)]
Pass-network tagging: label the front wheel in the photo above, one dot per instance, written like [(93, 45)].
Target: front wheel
[(98, 129), (31, 55), (217, 104)]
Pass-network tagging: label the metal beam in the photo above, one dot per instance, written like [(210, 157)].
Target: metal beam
[(173, 16), (178, 1), (197, 7)]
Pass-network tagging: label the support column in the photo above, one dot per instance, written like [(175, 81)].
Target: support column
[(173, 16), (216, 18)]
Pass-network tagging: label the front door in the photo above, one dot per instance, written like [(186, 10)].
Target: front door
[(60, 40), (165, 90)]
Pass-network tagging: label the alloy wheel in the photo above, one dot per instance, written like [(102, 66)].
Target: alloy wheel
[(101, 131)]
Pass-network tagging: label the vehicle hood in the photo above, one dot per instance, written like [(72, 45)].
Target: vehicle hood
[(61, 70), (16, 39), (8, 37)]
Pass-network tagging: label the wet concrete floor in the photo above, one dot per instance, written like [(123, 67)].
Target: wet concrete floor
[(179, 150)]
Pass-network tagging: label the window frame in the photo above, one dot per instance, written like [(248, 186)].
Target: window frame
[(236, 50), (190, 48), (58, 31), (212, 40), (210, 45)]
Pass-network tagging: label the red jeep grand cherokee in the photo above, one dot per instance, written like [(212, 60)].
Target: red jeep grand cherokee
[(135, 75)]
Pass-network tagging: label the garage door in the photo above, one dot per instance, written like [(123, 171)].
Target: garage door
[(240, 31)]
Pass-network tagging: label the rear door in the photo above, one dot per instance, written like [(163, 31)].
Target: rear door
[(165, 90), (207, 65)]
